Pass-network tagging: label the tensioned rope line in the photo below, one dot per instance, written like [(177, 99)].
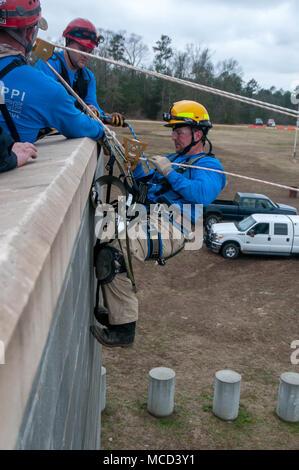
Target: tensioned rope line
[(231, 174), (210, 89), (226, 94)]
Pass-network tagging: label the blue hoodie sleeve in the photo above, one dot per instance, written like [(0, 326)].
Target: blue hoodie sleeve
[(71, 122), (204, 186)]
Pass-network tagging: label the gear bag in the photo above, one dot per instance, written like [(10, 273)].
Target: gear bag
[(108, 262)]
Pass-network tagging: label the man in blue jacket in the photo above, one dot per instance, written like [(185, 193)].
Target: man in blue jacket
[(170, 185), (81, 35), (32, 100)]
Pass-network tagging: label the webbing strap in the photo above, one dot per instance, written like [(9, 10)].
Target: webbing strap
[(166, 186), (113, 180), (80, 86), (3, 108)]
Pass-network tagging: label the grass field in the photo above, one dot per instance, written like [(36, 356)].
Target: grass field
[(201, 313)]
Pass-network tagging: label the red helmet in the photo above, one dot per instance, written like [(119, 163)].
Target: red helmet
[(20, 14), (83, 32)]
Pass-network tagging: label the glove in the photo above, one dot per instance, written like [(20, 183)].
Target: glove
[(95, 111), (116, 119), (162, 164)]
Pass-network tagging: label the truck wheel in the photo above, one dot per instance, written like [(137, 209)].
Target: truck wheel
[(230, 250), (212, 219)]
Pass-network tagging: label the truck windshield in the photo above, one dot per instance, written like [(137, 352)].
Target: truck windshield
[(245, 224), (237, 199), (274, 204)]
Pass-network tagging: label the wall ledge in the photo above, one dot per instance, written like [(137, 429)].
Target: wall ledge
[(41, 206)]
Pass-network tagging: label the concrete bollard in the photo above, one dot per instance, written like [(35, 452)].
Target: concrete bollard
[(161, 392), (288, 397), (227, 394), (103, 388)]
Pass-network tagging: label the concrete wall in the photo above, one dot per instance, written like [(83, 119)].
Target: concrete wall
[(50, 383)]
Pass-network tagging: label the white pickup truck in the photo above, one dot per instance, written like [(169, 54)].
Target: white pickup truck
[(273, 234)]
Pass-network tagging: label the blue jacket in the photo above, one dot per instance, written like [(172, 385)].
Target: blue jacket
[(193, 186), (91, 97), (36, 101)]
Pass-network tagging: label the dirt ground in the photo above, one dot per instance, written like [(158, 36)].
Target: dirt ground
[(202, 313)]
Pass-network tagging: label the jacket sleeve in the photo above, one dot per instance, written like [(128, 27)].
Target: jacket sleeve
[(42, 67), (203, 187), (8, 159), (69, 120)]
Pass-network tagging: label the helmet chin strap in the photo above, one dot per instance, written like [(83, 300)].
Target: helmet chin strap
[(69, 57), (72, 64), (195, 142)]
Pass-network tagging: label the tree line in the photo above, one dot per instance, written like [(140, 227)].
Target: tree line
[(141, 96)]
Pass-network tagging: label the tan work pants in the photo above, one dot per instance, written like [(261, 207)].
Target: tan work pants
[(118, 295)]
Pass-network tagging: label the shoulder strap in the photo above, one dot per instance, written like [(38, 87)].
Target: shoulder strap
[(12, 65), (3, 108), (166, 186), (194, 160), (64, 72), (81, 84)]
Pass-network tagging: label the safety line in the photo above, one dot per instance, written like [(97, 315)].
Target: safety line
[(279, 109), (225, 94), (232, 174)]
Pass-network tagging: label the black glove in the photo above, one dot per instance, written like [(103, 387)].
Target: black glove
[(116, 119), (95, 111)]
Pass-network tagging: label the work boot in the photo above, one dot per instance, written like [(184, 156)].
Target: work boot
[(115, 335), (102, 315)]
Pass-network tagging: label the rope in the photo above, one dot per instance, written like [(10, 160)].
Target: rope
[(225, 94), (279, 109), (233, 174)]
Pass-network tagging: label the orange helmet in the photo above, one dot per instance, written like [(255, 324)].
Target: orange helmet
[(21, 13), (83, 32), (15, 14)]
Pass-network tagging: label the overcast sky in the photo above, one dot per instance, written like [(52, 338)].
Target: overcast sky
[(262, 35)]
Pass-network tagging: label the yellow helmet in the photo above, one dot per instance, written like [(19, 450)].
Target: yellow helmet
[(188, 113)]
